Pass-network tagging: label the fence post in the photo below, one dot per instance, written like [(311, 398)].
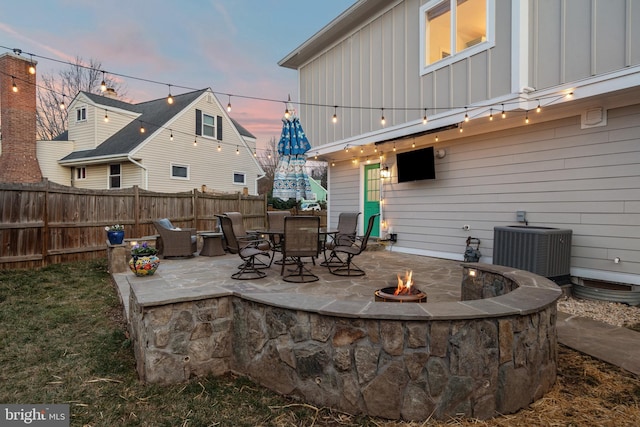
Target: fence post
[(136, 209), (45, 226), (194, 206)]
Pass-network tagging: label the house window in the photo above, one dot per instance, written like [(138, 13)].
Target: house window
[(179, 171), (208, 125), (114, 176), (239, 178), (454, 29), (81, 114), (80, 173)]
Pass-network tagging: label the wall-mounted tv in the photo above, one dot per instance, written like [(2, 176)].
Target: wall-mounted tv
[(416, 165)]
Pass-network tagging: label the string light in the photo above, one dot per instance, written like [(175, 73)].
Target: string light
[(436, 138), (229, 104), (195, 142), (490, 114), (413, 144), (424, 118), (526, 117), (62, 105), (219, 147), (361, 150), (106, 117), (466, 115), (237, 150), (382, 120), (103, 85), (538, 108), (504, 115), (333, 163), (14, 87), (394, 147), (461, 130), (286, 111), (141, 128), (335, 115), (254, 153), (32, 66), (169, 98), (170, 135)]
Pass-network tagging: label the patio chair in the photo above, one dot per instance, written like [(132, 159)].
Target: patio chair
[(347, 228), (276, 222), (247, 249), (238, 225), (174, 241), (348, 268), (301, 239)]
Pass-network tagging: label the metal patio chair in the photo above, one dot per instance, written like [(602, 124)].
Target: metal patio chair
[(347, 229), (348, 268), (247, 249), (301, 239)]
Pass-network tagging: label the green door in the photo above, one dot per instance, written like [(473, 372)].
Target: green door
[(372, 197)]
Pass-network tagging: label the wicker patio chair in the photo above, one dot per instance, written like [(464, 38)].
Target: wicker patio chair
[(173, 241), (301, 239), (247, 249), (348, 268)]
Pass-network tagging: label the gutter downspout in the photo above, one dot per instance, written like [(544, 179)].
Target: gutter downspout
[(146, 172)]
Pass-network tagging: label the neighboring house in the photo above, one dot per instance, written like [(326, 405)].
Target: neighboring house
[(158, 146), (574, 165), (318, 191)]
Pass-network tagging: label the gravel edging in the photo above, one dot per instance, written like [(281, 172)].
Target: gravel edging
[(611, 313)]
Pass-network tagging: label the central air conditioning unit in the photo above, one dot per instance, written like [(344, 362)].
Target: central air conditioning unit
[(541, 250)]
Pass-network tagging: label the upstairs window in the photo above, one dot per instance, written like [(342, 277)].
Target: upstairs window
[(81, 114), (454, 29), (208, 125)]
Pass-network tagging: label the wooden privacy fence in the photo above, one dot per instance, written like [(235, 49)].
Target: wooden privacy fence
[(46, 223)]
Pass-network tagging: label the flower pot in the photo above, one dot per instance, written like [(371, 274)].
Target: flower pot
[(144, 265), (115, 237)]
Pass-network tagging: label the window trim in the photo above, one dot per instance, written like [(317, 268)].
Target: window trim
[(244, 175), (180, 165), (80, 170), (82, 112), (118, 175), (457, 56), (205, 125)]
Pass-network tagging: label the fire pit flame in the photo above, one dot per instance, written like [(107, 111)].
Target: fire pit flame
[(404, 285)]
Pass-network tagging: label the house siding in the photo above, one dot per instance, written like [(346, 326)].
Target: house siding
[(207, 166), (48, 153), (586, 180)]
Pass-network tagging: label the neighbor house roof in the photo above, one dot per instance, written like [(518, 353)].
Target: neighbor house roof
[(153, 115)]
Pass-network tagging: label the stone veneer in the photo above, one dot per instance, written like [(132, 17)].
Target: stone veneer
[(492, 353)]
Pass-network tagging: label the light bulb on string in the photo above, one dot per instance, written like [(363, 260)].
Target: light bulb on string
[(237, 150), (394, 147), (334, 119), (106, 116), (32, 66), (424, 118), (466, 115), (382, 120), (219, 147), (504, 115), (287, 114), (490, 114), (255, 154), (103, 85), (229, 104), (142, 130), (195, 141), (333, 163), (14, 87), (436, 138), (170, 134), (538, 108), (526, 117), (413, 144), (461, 130), (62, 104), (169, 97)]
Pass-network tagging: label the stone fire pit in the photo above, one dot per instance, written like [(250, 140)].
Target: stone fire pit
[(493, 352)]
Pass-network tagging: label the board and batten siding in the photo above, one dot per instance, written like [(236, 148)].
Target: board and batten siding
[(378, 65), (586, 180), (573, 40), (207, 165)]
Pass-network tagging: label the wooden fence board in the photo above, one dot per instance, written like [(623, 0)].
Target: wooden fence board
[(46, 223)]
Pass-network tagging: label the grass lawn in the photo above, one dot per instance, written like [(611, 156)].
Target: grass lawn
[(63, 340)]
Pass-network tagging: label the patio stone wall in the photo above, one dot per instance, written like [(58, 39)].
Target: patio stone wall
[(492, 354)]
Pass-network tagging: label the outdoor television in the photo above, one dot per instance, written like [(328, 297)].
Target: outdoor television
[(416, 165)]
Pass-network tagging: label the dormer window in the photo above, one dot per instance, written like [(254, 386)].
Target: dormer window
[(81, 114), (454, 29)]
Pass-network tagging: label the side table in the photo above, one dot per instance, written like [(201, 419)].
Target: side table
[(211, 244)]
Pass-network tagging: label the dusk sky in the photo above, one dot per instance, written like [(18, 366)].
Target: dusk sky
[(231, 46)]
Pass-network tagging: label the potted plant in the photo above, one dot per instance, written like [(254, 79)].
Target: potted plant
[(115, 234), (144, 261)]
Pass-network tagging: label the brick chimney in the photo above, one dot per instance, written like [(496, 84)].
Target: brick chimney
[(18, 162)]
